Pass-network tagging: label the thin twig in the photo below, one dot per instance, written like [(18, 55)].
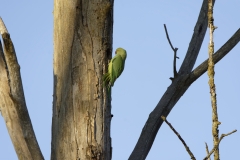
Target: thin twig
[(222, 136), (207, 150), (175, 53), (169, 41), (179, 136)]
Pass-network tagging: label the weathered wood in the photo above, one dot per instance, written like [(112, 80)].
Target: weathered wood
[(81, 109), (12, 102)]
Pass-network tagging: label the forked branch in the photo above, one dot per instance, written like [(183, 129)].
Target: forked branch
[(220, 139)]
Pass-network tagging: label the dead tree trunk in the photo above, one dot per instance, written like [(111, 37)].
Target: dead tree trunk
[(81, 109)]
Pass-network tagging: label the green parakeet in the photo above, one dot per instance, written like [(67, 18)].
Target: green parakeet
[(115, 68)]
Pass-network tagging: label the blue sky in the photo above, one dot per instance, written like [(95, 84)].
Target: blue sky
[(138, 27)]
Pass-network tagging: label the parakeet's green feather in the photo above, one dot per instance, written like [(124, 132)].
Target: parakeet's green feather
[(115, 68)]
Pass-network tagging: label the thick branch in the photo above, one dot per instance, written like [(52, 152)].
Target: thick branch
[(196, 41), (12, 102)]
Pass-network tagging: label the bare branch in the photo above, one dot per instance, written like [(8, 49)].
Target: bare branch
[(207, 151), (175, 54), (224, 135), (12, 102), (212, 86), (220, 139), (169, 41), (179, 136)]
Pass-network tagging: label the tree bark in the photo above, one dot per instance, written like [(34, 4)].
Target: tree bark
[(81, 109)]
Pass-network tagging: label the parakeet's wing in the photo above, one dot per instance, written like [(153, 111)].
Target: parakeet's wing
[(117, 67), (108, 77)]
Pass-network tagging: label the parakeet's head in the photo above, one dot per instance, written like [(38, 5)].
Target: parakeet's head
[(122, 52)]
